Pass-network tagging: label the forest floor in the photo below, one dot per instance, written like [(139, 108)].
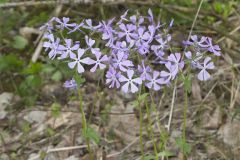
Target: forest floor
[(40, 119)]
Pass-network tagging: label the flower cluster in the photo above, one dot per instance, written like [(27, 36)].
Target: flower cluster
[(135, 50)]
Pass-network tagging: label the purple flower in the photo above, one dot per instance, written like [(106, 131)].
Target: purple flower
[(203, 75), (176, 62), (158, 49), (123, 46), (171, 23), (168, 75), (64, 23), (68, 48), (194, 41), (120, 61), (155, 81), (90, 42), (48, 26), (52, 45), (130, 81), (112, 77), (98, 61), (128, 31), (194, 59), (150, 17), (77, 61), (123, 18), (215, 49), (77, 27), (143, 49), (107, 32), (90, 26), (71, 84), (142, 37), (144, 71)]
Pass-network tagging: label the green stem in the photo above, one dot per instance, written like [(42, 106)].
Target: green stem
[(185, 113), (141, 130), (151, 131), (84, 123)]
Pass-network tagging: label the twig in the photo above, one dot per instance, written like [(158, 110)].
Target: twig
[(232, 32), (37, 3), (172, 106), (124, 149), (40, 44), (61, 149), (55, 2), (194, 21)]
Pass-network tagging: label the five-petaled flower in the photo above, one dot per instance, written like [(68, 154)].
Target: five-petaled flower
[(112, 78), (120, 61), (130, 82), (203, 75), (53, 45), (77, 61), (128, 31), (155, 81), (98, 61), (64, 23), (176, 62), (68, 48)]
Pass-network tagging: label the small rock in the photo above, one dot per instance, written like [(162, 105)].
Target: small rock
[(4, 157), (5, 99), (72, 158), (215, 119), (36, 116), (230, 133)]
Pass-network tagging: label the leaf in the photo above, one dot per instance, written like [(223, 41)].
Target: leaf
[(92, 135), (57, 76), (183, 145), (142, 97), (33, 68), (188, 83), (20, 42), (10, 63), (48, 68), (55, 110), (218, 7), (149, 157), (165, 154), (79, 79)]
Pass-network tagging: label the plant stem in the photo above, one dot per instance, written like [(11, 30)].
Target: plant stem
[(84, 123), (151, 131), (141, 129), (185, 113)]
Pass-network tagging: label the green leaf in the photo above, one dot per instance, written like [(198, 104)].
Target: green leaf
[(57, 76), (92, 135), (33, 68), (55, 110), (142, 97), (183, 145), (218, 7), (33, 81), (50, 132), (26, 127), (20, 42), (165, 154), (188, 83), (149, 157), (10, 63), (79, 79), (48, 69)]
